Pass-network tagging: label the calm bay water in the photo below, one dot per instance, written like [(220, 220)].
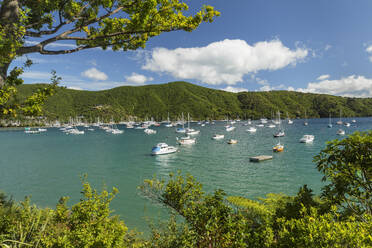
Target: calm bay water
[(47, 166)]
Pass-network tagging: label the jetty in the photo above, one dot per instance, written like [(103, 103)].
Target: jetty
[(260, 158)]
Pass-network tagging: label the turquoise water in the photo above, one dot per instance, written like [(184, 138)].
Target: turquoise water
[(49, 165)]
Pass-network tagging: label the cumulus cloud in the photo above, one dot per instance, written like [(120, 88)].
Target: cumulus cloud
[(223, 62), (74, 88), (351, 86), (94, 74), (327, 47), (54, 44), (323, 77), (279, 87), (369, 51), (137, 79), (234, 89)]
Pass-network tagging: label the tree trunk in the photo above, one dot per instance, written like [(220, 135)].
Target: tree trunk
[(3, 74), (9, 14)]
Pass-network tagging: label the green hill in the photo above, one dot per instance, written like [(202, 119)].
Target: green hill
[(202, 103)]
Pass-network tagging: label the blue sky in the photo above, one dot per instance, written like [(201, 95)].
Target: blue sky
[(319, 46)]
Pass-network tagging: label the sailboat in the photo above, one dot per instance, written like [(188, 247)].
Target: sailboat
[(279, 147), (289, 120), (181, 129), (169, 124), (339, 122), (305, 122), (190, 131), (330, 122), (280, 132)]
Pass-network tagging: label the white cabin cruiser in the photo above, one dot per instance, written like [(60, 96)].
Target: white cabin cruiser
[(218, 136), (307, 138), (163, 148)]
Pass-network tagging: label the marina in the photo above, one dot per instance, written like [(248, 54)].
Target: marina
[(48, 165)]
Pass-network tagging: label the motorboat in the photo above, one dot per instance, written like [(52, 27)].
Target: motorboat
[(163, 148), (290, 121), (229, 128), (271, 126), (347, 124), (278, 148), (75, 131), (28, 130), (340, 132), (232, 141), (353, 121), (307, 138), (42, 129), (252, 129), (260, 125), (149, 131), (186, 140), (218, 136), (116, 131)]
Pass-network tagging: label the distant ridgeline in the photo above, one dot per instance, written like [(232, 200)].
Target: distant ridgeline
[(155, 101)]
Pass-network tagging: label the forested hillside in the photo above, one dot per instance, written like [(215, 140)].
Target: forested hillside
[(156, 101)]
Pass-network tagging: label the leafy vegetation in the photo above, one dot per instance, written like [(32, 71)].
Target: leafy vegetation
[(212, 220), (156, 101), (119, 24)]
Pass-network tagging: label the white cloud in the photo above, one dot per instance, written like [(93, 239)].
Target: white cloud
[(94, 74), (74, 88), (234, 89), (327, 47), (351, 86), (137, 79), (36, 75), (369, 50), (226, 61), (279, 87), (54, 44), (323, 77)]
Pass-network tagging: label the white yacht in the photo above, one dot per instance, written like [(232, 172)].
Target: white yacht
[(163, 148), (252, 129), (190, 131), (229, 128), (340, 132), (75, 131), (232, 141), (218, 136), (307, 138), (116, 131), (186, 140), (271, 126), (279, 134), (30, 131), (149, 131)]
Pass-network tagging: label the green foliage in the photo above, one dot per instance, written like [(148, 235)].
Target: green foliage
[(314, 230), (119, 24), (12, 105), (156, 101), (347, 165), (211, 223), (86, 224)]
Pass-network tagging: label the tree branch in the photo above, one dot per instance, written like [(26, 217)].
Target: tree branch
[(45, 32), (50, 52)]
